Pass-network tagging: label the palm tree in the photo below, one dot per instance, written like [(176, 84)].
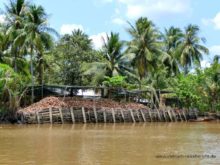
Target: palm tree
[(145, 46), (171, 39), (190, 51), (4, 41), (34, 37), (114, 61), (113, 55), (15, 13)]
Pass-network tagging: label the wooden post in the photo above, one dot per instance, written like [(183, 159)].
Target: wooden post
[(122, 114), (95, 114), (132, 115), (158, 113), (84, 115), (169, 114), (180, 116), (184, 115), (164, 115), (138, 116), (72, 115), (61, 115), (174, 115), (38, 117), (150, 115), (113, 115), (51, 115), (104, 115), (22, 118), (142, 113)]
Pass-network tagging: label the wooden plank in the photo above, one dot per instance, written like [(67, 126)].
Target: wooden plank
[(51, 115), (122, 114), (72, 115), (95, 114), (84, 114), (132, 115), (104, 115), (113, 115), (61, 115), (142, 114)]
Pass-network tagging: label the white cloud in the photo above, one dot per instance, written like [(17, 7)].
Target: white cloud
[(216, 21), (205, 64), (213, 21), (98, 40), (118, 21), (68, 28), (215, 50), (137, 8), (2, 18)]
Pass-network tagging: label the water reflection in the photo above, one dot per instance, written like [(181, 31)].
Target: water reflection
[(123, 143)]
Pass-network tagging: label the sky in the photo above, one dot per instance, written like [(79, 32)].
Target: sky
[(99, 17)]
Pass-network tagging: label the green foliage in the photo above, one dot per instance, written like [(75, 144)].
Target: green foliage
[(115, 81), (11, 87), (150, 60)]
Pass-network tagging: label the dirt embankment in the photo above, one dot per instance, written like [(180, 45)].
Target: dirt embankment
[(76, 102)]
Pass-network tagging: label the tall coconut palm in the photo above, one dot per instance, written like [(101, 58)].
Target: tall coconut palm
[(145, 46), (112, 52), (15, 13), (4, 41), (114, 61), (34, 36), (190, 51), (171, 39)]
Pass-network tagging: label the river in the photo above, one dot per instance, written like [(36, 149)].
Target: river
[(110, 144)]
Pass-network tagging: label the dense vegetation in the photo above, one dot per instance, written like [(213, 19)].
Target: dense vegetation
[(32, 53)]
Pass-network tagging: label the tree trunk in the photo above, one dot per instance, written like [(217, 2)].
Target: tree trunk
[(15, 61), (32, 76), (41, 69)]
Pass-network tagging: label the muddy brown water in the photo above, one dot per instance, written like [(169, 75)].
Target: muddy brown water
[(110, 144)]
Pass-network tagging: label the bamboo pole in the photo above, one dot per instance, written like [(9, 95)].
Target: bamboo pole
[(84, 114), (61, 115), (72, 115), (51, 115), (113, 115), (132, 115)]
